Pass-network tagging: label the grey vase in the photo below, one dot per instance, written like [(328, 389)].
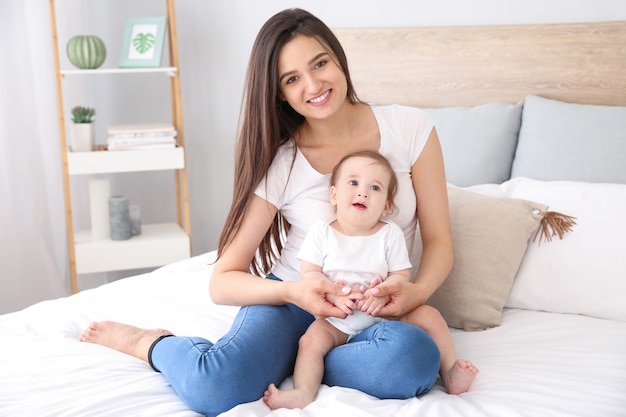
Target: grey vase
[(119, 218)]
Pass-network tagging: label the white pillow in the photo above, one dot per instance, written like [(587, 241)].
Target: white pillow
[(585, 272)]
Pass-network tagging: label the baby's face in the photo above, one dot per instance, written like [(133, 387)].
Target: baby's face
[(360, 192)]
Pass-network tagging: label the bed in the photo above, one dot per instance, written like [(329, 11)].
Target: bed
[(532, 119)]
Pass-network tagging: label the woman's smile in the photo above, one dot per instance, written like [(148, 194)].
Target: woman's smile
[(320, 99)]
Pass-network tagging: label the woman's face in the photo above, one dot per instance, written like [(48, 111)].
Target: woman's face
[(309, 79)]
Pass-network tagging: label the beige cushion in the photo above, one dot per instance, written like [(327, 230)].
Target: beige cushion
[(490, 237)]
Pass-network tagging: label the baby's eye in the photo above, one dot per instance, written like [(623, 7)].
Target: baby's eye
[(353, 183), (375, 188)]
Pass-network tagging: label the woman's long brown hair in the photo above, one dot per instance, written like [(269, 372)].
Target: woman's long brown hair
[(267, 122)]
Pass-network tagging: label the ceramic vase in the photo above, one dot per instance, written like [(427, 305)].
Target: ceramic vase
[(119, 218), (83, 137)]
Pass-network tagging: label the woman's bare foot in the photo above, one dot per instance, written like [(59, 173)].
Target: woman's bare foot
[(122, 337), (275, 398), (459, 378)]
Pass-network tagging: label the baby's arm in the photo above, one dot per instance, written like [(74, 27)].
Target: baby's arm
[(372, 304), (345, 302)]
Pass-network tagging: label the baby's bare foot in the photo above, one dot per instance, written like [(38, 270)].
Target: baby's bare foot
[(122, 337), (275, 398), (459, 378)]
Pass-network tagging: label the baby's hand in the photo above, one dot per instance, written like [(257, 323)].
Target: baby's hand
[(345, 302), (348, 302), (372, 304)]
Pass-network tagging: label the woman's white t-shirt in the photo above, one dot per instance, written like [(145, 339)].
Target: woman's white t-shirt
[(301, 193)]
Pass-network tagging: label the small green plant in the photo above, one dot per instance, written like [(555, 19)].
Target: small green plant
[(82, 114)]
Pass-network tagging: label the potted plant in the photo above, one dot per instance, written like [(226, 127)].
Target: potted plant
[(83, 134)]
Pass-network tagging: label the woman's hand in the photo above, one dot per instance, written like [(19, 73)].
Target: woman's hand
[(404, 297), (313, 295)]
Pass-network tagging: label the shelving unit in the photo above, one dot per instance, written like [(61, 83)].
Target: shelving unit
[(158, 244)]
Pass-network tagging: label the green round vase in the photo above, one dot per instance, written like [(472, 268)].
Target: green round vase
[(86, 51)]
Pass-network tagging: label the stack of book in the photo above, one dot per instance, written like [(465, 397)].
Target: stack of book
[(141, 136)]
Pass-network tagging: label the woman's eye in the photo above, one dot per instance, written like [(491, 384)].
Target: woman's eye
[(320, 64), (291, 80)]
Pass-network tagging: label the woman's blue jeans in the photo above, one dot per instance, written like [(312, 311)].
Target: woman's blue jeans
[(389, 360)]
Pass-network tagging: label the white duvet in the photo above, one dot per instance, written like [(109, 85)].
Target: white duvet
[(534, 364)]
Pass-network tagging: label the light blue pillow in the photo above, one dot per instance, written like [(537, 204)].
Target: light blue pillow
[(478, 143), (575, 142)]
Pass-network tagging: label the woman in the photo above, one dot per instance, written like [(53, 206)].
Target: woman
[(301, 116)]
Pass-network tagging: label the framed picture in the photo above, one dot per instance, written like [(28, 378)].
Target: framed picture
[(142, 46)]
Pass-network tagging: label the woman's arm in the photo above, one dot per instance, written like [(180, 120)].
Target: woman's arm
[(429, 182), (233, 284)]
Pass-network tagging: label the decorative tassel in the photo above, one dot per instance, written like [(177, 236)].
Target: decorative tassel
[(553, 224)]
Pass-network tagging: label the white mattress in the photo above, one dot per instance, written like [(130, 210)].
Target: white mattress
[(534, 364)]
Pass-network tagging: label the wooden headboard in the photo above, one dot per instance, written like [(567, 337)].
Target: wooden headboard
[(471, 65)]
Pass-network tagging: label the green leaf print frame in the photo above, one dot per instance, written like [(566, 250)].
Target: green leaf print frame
[(142, 45)]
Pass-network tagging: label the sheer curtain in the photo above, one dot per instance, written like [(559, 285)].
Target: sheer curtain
[(33, 254)]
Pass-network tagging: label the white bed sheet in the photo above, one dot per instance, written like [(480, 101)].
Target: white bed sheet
[(534, 364)]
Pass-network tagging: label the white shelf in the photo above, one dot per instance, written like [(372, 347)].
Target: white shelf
[(157, 245), (168, 70), (102, 162)]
